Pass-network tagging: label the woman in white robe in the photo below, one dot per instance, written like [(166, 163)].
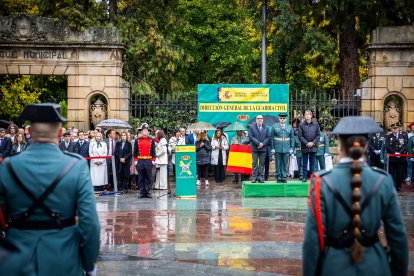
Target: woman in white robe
[(99, 173)]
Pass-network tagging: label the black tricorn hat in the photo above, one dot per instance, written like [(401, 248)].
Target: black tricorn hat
[(354, 125), (396, 125), (282, 115), (42, 113)]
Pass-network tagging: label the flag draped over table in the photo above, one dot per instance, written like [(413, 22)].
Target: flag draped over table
[(240, 159)]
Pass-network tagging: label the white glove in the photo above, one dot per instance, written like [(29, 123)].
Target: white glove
[(92, 273), (292, 155), (291, 151), (273, 151), (397, 153), (136, 162), (326, 155), (377, 152), (153, 163), (382, 161), (412, 159)]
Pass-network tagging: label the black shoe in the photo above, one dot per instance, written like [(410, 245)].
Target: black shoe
[(261, 181), (142, 196), (148, 196), (254, 181), (279, 181), (304, 180), (284, 180)]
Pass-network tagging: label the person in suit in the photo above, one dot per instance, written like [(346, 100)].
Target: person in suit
[(110, 142), (259, 136), (282, 139), (396, 143), (123, 156), (375, 143), (82, 145), (68, 145), (51, 207), (347, 207), (5, 144)]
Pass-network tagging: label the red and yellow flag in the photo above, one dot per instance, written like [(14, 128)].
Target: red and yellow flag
[(240, 159)]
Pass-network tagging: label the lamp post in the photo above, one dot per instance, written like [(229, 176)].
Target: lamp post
[(264, 6)]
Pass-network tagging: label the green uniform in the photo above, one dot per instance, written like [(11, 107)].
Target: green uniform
[(323, 148), (282, 139), (72, 249), (298, 153), (383, 207)]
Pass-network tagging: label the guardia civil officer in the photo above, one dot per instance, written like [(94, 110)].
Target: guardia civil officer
[(283, 143), (49, 200), (375, 143), (347, 206), (396, 143)]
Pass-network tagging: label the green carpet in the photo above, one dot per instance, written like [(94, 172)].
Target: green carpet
[(272, 188)]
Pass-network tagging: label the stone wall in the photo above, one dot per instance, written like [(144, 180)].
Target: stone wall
[(91, 60), (391, 72)]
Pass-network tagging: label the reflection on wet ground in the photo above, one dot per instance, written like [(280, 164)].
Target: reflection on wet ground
[(218, 233)]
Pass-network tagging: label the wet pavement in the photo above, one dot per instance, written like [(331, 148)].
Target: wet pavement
[(218, 233)]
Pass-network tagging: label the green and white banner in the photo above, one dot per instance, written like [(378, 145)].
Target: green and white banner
[(185, 171), (240, 102)]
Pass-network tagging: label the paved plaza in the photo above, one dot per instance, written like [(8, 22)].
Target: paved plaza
[(219, 233)]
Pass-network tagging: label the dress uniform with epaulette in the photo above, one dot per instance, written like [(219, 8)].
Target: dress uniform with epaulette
[(144, 151), (323, 151), (282, 141), (336, 206), (396, 143), (375, 143), (49, 203)]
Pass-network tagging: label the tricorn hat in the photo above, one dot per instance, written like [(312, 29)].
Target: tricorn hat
[(395, 125), (144, 126), (282, 115), (42, 113), (354, 125)]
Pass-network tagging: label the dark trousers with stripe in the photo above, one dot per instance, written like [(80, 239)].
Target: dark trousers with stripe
[(144, 169)]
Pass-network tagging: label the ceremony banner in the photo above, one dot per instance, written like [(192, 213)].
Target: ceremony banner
[(228, 103), (185, 171)]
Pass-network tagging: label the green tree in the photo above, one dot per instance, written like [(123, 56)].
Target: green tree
[(15, 93)]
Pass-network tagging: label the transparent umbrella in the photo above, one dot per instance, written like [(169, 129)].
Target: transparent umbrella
[(235, 127), (113, 123), (201, 126)]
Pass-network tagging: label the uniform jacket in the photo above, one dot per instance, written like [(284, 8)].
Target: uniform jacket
[(375, 142), (323, 144), (71, 147), (384, 207), (161, 152), (215, 151), (297, 150), (145, 146), (309, 132), (5, 147), (123, 169), (282, 138), (257, 136), (68, 251), (410, 146), (203, 154), (84, 149), (395, 144)]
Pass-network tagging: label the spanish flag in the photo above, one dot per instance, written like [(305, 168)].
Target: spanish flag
[(240, 159)]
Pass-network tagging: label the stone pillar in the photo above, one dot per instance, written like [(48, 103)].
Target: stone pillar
[(391, 72)]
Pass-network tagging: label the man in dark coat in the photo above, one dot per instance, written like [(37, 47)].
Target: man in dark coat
[(5, 144), (259, 136), (110, 143), (68, 145), (82, 145), (374, 146), (309, 134)]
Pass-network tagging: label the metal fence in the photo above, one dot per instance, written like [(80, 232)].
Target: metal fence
[(169, 112)]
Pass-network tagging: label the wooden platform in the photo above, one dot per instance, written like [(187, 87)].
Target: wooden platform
[(273, 189)]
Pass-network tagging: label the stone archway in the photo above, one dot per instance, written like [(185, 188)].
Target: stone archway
[(391, 72), (395, 109), (91, 60)]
